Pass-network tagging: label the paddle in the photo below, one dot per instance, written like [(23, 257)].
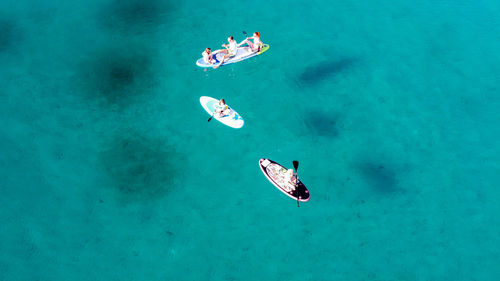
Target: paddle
[(296, 166), (211, 116), (246, 35)]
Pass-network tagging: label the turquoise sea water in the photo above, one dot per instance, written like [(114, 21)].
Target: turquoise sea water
[(110, 171)]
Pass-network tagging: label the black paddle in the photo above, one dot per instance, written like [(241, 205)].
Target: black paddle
[(296, 166), (211, 117), (245, 33)]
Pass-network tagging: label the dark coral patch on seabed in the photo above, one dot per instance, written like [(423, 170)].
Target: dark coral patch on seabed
[(9, 35), (141, 168), (380, 176), (118, 75), (322, 123), (317, 73), (135, 15)]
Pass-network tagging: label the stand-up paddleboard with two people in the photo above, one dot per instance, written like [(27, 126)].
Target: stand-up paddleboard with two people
[(222, 112), (285, 179), (233, 52)]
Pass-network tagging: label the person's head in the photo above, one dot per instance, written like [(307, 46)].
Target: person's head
[(230, 38), (256, 33), (222, 101), (208, 50)]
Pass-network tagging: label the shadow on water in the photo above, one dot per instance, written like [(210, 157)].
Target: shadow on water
[(135, 15), (322, 71), (381, 177), (321, 123), (141, 168), (118, 75)]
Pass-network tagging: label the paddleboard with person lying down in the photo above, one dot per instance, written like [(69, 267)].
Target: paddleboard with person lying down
[(284, 179)]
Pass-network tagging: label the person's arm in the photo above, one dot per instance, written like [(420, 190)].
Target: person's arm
[(216, 109)]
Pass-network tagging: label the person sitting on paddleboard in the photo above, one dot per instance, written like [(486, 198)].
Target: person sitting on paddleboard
[(209, 57), (222, 109), (290, 180), (230, 50), (256, 45)]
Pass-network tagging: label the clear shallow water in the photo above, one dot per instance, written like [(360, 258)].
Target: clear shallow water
[(111, 171)]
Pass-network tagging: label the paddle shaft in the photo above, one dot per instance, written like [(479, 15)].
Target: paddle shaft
[(296, 167), (211, 117)]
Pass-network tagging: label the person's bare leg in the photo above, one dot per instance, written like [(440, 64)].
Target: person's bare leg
[(222, 61), (252, 46), (249, 44), (243, 42)]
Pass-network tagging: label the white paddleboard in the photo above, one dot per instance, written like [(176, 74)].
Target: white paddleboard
[(233, 119), (242, 53)]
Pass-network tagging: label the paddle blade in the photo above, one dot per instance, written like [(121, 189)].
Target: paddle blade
[(211, 117)]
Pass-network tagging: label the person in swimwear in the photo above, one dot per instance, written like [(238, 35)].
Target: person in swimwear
[(230, 50), (222, 109), (290, 180), (256, 45), (209, 57)]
